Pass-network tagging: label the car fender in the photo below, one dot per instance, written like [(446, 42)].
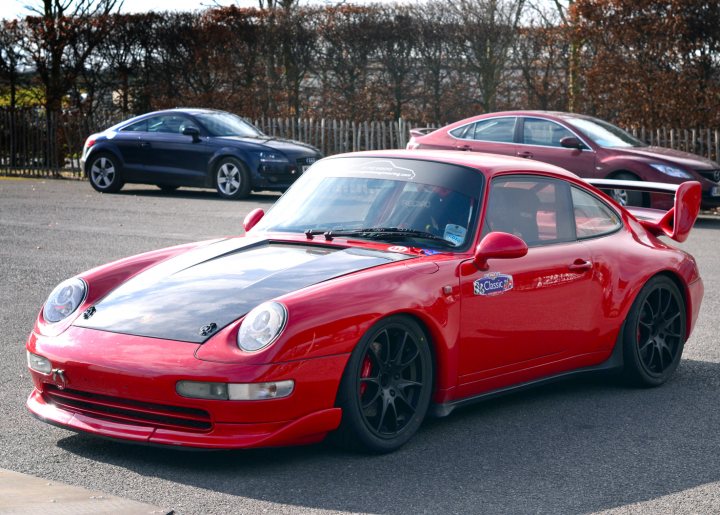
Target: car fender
[(637, 165), (248, 158), (103, 146)]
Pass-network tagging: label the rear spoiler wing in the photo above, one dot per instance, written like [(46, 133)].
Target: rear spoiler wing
[(675, 223), (421, 131)]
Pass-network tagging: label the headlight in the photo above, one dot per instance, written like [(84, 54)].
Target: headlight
[(262, 326), (64, 299), (672, 171), (272, 157)]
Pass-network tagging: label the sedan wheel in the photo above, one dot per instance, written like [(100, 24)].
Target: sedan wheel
[(628, 197), (385, 392), (231, 179), (104, 174), (655, 333)]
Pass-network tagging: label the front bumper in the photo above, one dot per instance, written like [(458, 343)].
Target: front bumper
[(122, 386)]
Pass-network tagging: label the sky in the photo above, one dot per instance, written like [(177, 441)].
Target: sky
[(10, 9)]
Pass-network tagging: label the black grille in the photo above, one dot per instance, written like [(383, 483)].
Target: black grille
[(128, 411), (712, 175)]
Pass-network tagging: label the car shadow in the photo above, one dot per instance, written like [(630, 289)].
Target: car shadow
[(583, 445), (707, 222), (264, 197)]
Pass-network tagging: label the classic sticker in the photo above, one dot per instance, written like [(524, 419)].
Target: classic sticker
[(493, 284)]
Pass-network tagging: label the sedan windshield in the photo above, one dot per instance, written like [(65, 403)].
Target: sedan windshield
[(226, 124), (405, 201), (605, 134)]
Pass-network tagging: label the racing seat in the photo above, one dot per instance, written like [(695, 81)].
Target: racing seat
[(514, 210)]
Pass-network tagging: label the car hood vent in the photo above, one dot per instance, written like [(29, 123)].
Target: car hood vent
[(220, 283)]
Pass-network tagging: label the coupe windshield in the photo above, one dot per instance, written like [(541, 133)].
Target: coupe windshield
[(226, 124), (605, 134), (415, 203)]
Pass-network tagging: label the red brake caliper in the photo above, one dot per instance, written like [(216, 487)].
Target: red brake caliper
[(365, 372)]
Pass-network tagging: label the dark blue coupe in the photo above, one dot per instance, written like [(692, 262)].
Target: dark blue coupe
[(202, 148)]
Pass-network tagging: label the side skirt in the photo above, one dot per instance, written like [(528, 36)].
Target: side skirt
[(613, 363)]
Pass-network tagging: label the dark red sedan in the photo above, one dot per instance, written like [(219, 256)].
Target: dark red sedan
[(584, 145), (382, 287)]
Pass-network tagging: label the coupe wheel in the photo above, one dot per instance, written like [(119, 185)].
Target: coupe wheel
[(105, 174), (232, 179), (628, 197), (385, 391), (654, 333)]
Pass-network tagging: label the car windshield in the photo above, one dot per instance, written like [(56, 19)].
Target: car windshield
[(412, 202), (227, 124), (605, 134)]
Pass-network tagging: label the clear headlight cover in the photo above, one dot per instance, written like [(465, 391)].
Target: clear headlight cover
[(262, 326), (672, 171), (272, 157), (64, 299)]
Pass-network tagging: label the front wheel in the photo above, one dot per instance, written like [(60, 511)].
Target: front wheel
[(628, 197), (386, 388), (654, 333), (104, 173), (232, 179)]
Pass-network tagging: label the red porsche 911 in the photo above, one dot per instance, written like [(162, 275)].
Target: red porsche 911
[(383, 287)]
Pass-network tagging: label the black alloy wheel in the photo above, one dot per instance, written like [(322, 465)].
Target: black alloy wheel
[(104, 173), (654, 334), (385, 391)]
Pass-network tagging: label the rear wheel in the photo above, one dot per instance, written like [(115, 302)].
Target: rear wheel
[(232, 179), (654, 334), (385, 391), (104, 173)]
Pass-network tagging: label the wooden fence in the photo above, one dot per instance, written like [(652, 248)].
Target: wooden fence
[(33, 143)]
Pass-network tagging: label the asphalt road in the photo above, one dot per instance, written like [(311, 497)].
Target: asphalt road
[(587, 445)]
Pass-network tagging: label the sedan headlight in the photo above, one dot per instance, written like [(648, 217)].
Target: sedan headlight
[(64, 299), (262, 326), (672, 171), (272, 157)]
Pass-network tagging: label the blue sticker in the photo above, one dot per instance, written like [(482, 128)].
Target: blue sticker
[(430, 252), (493, 284)]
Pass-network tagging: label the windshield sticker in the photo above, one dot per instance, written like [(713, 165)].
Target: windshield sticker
[(398, 248), (493, 284), (431, 252), (455, 234), (387, 168)]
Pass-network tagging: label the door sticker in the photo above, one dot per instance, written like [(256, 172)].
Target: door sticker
[(493, 284)]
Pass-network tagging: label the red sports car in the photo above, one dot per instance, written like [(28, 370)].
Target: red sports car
[(584, 145), (382, 287)]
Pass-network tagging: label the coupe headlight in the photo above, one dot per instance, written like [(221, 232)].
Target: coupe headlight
[(64, 299), (672, 171), (262, 326), (272, 157)]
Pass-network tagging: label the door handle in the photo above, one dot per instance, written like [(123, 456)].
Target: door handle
[(580, 265), (526, 155), (144, 144), (463, 147)]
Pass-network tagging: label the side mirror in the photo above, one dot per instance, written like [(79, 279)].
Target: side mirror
[(192, 131), (252, 218), (498, 245), (571, 142)]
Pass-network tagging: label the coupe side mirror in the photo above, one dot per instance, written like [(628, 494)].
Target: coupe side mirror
[(192, 131), (498, 245), (252, 218), (571, 142)]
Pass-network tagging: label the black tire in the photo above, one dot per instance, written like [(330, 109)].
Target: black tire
[(654, 333), (386, 388), (167, 187), (626, 197), (104, 173), (232, 179)]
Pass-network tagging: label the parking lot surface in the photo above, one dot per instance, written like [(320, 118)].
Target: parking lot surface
[(586, 445)]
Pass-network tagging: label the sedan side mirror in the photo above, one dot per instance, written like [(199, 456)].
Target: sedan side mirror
[(252, 218), (498, 245), (192, 131), (571, 142)]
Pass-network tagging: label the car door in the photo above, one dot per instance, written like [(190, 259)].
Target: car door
[(540, 140), (522, 314), (172, 157), (493, 135)]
